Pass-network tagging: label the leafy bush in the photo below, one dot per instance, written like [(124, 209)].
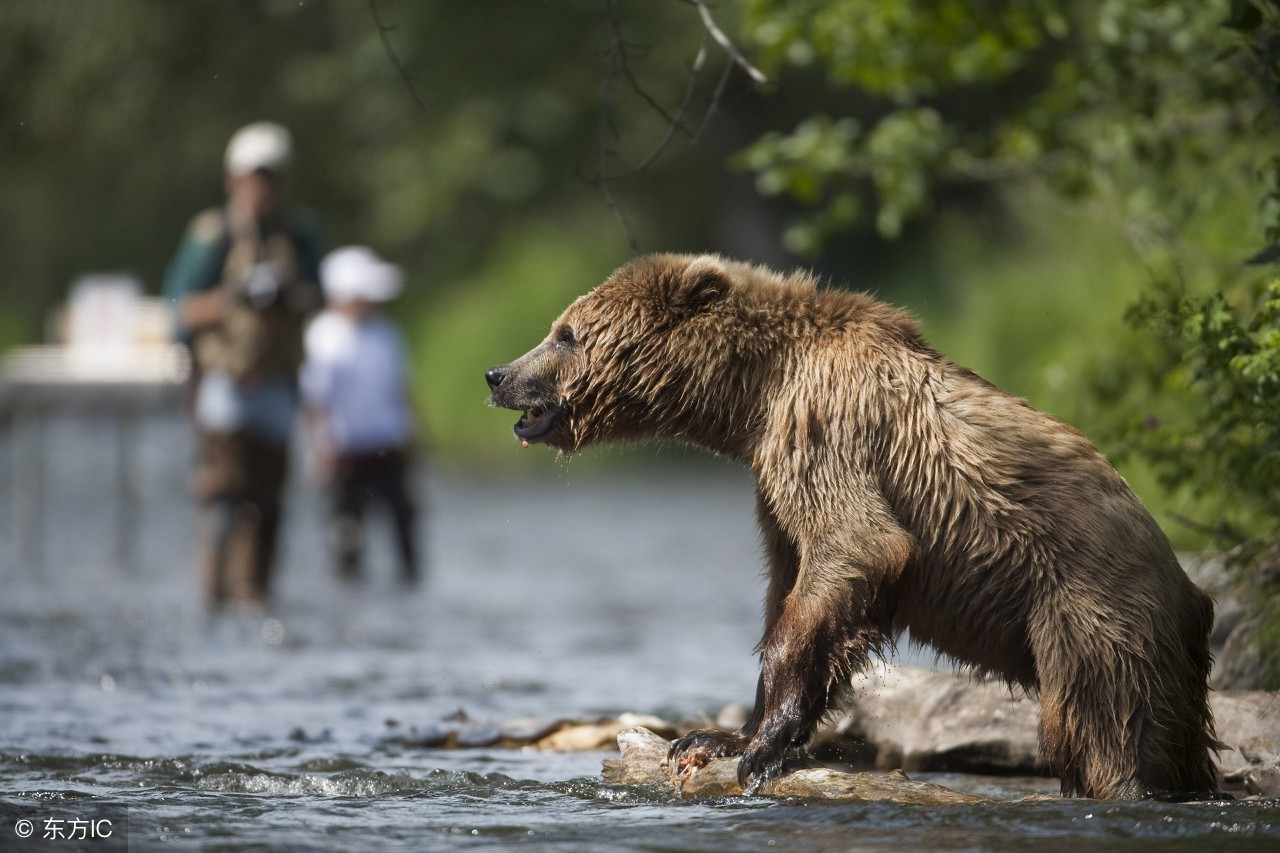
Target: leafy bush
[(1222, 357)]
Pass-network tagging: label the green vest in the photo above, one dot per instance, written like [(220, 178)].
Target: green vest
[(261, 335)]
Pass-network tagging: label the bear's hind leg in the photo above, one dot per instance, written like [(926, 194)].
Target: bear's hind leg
[(1100, 736), (1125, 722)]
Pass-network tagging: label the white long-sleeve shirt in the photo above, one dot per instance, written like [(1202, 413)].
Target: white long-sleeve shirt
[(356, 373)]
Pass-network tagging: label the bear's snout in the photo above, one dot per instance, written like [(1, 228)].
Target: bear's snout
[(495, 375)]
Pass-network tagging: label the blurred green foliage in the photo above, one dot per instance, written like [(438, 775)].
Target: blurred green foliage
[(1116, 95), (1230, 356)]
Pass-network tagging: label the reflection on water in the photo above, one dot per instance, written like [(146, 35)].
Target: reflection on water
[(573, 593)]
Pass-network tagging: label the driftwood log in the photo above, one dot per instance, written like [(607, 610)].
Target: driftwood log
[(644, 761)]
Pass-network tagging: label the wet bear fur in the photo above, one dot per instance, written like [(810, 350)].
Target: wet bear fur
[(895, 491)]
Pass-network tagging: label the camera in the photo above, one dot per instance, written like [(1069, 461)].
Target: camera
[(261, 287)]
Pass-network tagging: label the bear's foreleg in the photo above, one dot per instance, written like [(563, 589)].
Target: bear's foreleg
[(783, 564), (823, 636), (833, 618)]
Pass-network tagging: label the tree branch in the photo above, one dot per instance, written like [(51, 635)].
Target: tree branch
[(383, 29), (729, 48), (619, 68), (716, 97), (676, 122), (604, 128)]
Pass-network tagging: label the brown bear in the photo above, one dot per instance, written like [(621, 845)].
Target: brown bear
[(895, 491)]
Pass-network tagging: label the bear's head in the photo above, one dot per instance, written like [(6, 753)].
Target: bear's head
[(627, 360)]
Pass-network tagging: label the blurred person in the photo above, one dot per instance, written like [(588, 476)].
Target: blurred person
[(243, 283), (356, 402)]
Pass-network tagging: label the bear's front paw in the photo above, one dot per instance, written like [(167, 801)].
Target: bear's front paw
[(701, 745), (762, 758), (761, 762)]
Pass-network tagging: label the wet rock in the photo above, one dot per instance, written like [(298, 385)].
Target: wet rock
[(1249, 724), (459, 731), (921, 720), (654, 724), (1210, 573), (427, 736), (1246, 656), (644, 761), (581, 737), (1263, 781), (474, 736), (732, 716), (600, 735), (527, 730)]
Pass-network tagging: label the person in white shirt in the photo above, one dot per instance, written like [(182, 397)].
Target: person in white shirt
[(354, 385)]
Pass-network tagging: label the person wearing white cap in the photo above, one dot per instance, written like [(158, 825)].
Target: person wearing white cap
[(242, 285), (355, 392)]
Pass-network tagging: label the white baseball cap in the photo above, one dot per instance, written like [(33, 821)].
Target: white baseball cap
[(356, 272), (261, 145)]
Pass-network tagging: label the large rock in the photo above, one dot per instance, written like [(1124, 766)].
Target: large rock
[(1249, 724), (922, 720)]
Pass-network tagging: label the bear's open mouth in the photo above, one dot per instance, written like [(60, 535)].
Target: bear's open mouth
[(537, 422)]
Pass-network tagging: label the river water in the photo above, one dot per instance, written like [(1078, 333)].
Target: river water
[(575, 592)]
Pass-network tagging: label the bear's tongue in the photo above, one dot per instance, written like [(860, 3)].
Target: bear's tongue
[(536, 422)]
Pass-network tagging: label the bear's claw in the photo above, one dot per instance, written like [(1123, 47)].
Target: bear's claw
[(760, 763), (758, 767), (708, 743)]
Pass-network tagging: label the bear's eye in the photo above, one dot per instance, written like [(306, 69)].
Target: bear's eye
[(565, 337)]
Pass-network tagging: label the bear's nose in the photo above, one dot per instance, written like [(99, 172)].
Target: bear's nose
[(494, 376)]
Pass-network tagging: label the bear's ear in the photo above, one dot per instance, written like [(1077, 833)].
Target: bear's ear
[(701, 283)]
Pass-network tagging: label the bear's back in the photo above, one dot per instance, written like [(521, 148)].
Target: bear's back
[(1014, 510), (1007, 505)]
